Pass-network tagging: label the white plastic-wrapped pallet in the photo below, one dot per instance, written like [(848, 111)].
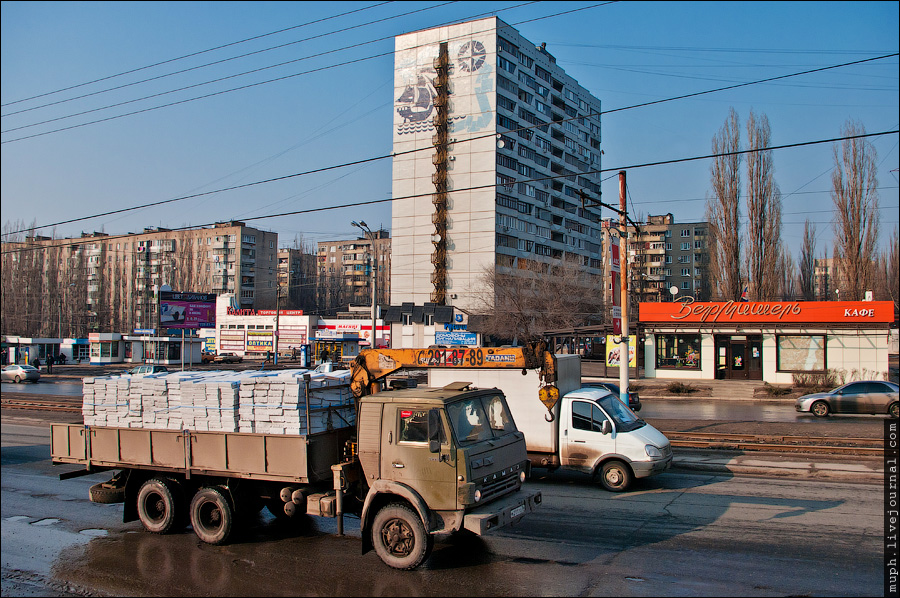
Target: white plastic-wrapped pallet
[(252, 402)]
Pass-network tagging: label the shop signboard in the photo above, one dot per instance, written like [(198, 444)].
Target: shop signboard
[(455, 338), (735, 312), (615, 276), (187, 310), (259, 342)]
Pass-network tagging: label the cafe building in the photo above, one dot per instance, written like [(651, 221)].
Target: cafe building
[(765, 340)]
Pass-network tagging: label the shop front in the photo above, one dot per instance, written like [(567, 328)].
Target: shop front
[(767, 341)]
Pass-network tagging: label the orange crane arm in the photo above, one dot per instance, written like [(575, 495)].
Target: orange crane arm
[(372, 366)]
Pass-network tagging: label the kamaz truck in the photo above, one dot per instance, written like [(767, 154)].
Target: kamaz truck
[(419, 463)]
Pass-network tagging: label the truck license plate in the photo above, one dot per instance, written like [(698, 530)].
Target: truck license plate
[(520, 510)]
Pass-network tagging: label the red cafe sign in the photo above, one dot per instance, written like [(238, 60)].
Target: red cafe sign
[(773, 312)]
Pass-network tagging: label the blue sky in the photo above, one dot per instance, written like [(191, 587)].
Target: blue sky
[(625, 53)]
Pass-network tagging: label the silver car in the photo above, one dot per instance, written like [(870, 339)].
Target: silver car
[(20, 373), (867, 396)]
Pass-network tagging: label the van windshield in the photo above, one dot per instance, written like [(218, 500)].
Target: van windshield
[(480, 418), (624, 418)]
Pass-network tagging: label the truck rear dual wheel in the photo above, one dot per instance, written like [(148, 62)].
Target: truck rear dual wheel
[(400, 538), (211, 515), (159, 505)]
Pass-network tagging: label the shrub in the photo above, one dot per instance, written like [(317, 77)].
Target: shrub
[(678, 388), (776, 391)]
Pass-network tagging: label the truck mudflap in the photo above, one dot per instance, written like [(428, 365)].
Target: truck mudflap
[(502, 512)]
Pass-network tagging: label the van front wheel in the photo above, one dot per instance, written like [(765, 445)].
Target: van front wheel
[(615, 476)]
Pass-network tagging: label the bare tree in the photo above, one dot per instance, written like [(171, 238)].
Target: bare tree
[(887, 279), (763, 214), (723, 211), (807, 265), (855, 196), (787, 277), (522, 304)]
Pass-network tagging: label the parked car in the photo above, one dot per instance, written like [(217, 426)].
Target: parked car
[(867, 396), (207, 357), (148, 369), (634, 401), (228, 358), (21, 373)]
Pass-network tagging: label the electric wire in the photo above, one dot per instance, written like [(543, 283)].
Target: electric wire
[(149, 66), (395, 154), (473, 188), (243, 87), (212, 64)]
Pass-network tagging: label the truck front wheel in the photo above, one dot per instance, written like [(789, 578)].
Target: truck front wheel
[(159, 505), (615, 476), (212, 516), (399, 537)]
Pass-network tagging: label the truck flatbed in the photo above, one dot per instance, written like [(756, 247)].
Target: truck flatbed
[(302, 459)]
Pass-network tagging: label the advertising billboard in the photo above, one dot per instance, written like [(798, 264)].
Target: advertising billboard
[(187, 310)]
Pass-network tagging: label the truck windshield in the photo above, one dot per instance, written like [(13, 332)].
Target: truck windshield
[(624, 418), (480, 418)]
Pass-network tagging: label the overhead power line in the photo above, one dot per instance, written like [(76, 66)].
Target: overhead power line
[(250, 85), (366, 160), (170, 60), (201, 66), (475, 188)]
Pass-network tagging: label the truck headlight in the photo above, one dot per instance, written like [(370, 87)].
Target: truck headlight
[(522, 476), (477, 495), (652, 452)]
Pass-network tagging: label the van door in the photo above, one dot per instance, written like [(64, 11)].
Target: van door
[(582, 442)]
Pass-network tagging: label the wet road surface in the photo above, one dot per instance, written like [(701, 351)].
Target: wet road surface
[(675, 534)]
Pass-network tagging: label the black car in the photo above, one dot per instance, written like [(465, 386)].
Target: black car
[(634, 401)]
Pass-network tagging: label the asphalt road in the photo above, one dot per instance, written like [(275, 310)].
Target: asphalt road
[(677, 534)]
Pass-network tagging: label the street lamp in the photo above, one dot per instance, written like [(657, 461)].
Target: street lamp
[(361, 225)]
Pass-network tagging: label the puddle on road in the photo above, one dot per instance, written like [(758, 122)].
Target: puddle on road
[(94, 533), (17, 518), (47, 521)]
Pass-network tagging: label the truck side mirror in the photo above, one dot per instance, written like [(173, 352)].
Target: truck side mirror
[(435, 430), (605, 427)]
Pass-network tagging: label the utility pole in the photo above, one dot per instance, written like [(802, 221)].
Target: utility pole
[(623, 262), (371, 236), (277, 313)]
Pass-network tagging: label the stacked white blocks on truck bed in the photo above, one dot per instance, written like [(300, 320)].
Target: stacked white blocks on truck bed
[(253, 402)]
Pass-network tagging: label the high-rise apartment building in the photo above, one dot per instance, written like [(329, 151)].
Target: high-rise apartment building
[(109, 282), (344, 274), (297, 278), (663, 255), (493, 146)]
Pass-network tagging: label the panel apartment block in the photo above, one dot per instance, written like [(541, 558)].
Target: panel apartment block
[(522, 142)]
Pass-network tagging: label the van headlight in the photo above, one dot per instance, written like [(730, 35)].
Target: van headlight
[(652, 452)]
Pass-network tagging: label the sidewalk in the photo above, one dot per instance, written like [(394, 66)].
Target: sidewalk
[(730, 390)]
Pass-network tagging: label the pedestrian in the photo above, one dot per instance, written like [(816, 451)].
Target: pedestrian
[(49, 364), (323, 357), (294, 353)]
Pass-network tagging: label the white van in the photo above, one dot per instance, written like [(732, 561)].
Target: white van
[(589, 429)]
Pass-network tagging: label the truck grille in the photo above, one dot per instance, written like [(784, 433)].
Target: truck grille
[(493, 488)]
